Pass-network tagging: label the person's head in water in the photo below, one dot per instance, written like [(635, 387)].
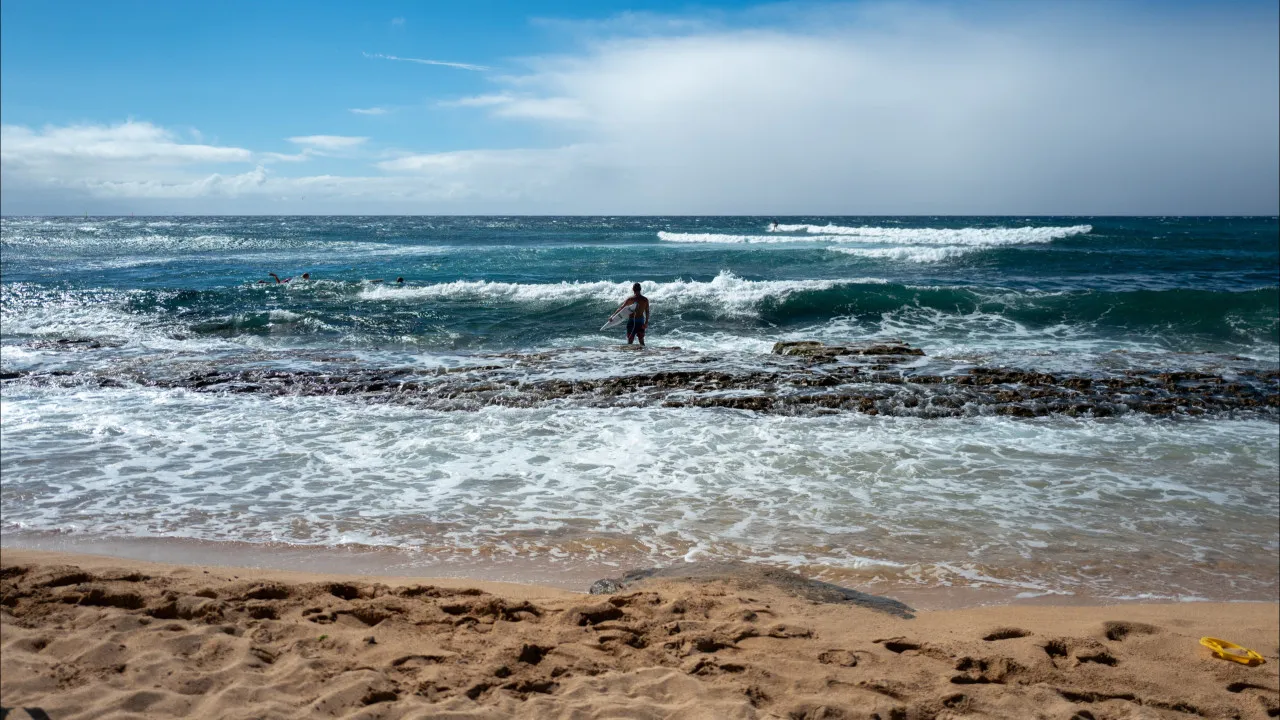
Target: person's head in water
[(636, 288), (306, 276)]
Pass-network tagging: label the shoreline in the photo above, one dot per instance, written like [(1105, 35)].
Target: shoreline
[(91, 635), (390, 565), (100, 561)]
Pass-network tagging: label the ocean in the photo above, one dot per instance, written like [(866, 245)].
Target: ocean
[(1094, 415)]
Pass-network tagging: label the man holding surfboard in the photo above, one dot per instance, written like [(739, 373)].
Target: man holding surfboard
[(636, 311)]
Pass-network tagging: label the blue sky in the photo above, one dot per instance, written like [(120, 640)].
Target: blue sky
[(640, 108)]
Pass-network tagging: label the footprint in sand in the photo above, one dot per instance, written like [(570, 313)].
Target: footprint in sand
[(1084, 650), (1006, 634), (897, 645), (843, 658), (1118, 630)]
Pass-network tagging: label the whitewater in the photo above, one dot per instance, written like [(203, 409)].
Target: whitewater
[(162, 397)]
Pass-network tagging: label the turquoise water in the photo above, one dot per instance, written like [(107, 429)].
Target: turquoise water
[(510, 283), (1122, 507)]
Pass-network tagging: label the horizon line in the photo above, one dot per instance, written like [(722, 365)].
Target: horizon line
[(648, 215)]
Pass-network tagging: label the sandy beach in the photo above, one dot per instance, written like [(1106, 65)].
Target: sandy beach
[(98, 637)]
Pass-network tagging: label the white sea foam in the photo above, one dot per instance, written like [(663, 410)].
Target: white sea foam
[(106, 317), (985, 502), (727, 238), (909, 253), (726, 288), (179, 247), (892, 243), (944, 236), (980, 335)]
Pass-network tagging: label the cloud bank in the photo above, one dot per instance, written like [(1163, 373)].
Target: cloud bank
[(899, 109)]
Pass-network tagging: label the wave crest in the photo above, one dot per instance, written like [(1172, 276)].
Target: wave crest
[(725, 288), (972, 237), (943, 236), (909, 254)]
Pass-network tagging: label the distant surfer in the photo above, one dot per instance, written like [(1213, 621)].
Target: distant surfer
[(638, 320), (305, 276), (773, 227)]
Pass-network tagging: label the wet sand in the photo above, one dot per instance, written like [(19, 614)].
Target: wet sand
[(91, 636)]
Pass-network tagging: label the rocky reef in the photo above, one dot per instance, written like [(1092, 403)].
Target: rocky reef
[(815, 349), (797, 378)]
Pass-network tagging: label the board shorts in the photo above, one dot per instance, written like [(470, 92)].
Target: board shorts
[(635, 328)]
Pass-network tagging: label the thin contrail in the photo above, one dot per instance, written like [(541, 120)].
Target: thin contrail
[(420, 61)]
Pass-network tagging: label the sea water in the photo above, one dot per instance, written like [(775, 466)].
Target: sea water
[(101, 447)]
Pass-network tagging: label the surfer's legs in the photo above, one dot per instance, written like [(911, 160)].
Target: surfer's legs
[(635, 329)]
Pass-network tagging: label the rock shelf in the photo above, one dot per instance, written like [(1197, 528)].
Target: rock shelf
[(797, 379)]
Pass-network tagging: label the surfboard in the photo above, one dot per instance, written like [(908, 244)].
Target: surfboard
[(619, 317)]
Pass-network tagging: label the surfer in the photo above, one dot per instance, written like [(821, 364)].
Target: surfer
[(639, 318), (305, 276)]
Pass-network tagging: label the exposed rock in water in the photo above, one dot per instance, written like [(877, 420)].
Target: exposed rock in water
[(815, 349), (805, 379), (747, 575)]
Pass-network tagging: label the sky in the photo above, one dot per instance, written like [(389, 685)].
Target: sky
[(996, 107)]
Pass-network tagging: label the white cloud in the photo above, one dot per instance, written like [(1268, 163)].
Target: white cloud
[(328, 142), (110, 168), (370, 111), (421, 61), (470, 160), (132, 159), (529, 107), (286, 157), (480, 100), (212, 185), (549, 108), (131, 141)]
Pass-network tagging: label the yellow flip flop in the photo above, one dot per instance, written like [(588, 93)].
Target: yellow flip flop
[(1231, 651)]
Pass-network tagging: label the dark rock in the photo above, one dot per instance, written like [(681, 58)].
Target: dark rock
[(605, 587), (815, 349), (800, 347), (750, 575), (818, 379)]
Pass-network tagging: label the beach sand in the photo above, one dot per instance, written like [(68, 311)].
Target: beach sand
[(97, 637)]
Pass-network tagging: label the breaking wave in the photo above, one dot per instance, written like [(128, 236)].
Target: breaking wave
[(725, 288), (908, 254), (940, 236)]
